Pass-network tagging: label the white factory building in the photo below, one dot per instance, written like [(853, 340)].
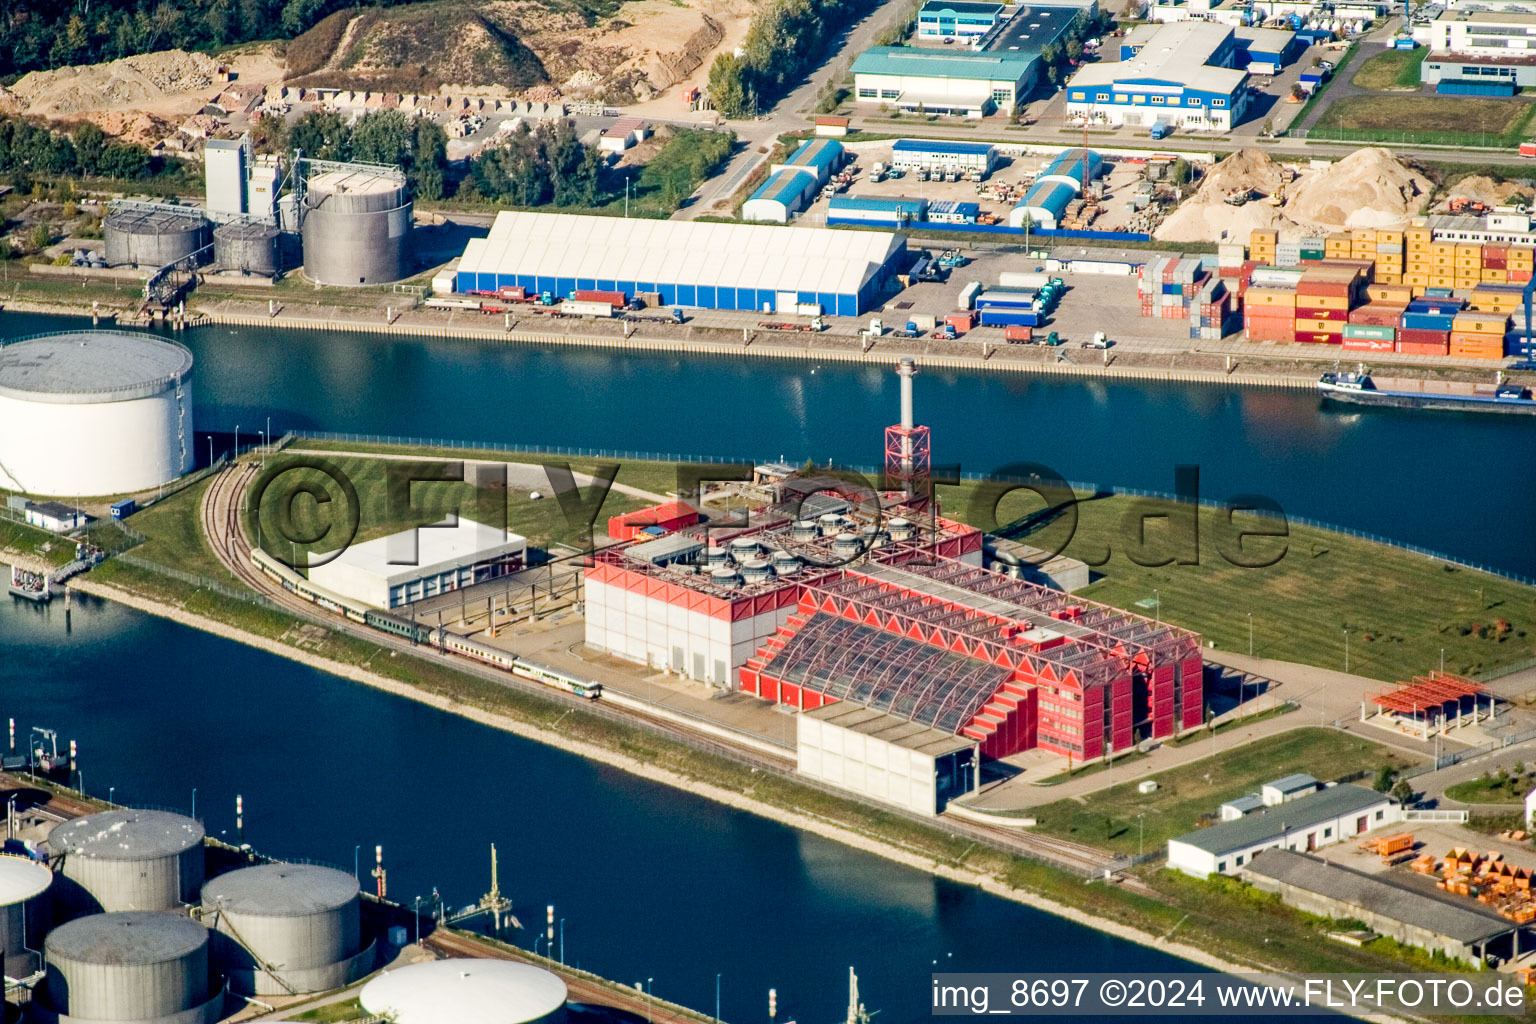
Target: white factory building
[(1182, 75), (1302, 823), (238, 183), (1481, 48), (93, 413), (406, 567), (884, 757)]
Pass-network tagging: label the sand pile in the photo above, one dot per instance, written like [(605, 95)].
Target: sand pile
[(1206, 216), (1483, 189), (130, 82), (1369, 188), (131, 125)]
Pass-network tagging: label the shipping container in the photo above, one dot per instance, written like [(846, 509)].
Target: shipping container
[(1368, 344), (615, 299), (1314, 313), (1369, 332), (1427, 321), (1479, 323), (923, 321), (1004, 317), (1018, 332), (1422, 348), (1417, 336), (586, 307), (1380, 314), (960, 321)]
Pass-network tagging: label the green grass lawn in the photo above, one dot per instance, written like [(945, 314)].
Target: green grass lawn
[(544, 522), (1400, 608), (1108, 818), (1452, 120), (175, 531), (334, 1013), (21, 539), (1506, 785), (1395, 69)]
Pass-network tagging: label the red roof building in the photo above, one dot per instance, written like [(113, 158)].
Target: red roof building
[(670, 517)]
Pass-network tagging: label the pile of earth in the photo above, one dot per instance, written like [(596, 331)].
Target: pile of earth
[(1208, 217), (1480, 188), (138, 82), (1370, 188)]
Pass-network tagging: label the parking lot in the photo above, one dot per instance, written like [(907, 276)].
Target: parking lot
[(996, 196)]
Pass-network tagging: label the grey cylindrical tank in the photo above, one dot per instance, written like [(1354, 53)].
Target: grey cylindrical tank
[(127, 860), (357, 228), (251, 248), (154, 237), (23, 908), (135, 966), (281, 928)]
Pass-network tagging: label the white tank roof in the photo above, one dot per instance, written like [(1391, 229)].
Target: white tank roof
[(465, 992), (21, 879), (91, 366)]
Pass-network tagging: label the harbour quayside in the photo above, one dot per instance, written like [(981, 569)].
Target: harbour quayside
[(1360, 388)]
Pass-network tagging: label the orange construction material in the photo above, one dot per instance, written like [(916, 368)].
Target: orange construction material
[(1388, 845)]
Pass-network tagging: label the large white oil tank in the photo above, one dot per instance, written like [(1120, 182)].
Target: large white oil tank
[(285, 928), (23, 910), (90, 413), (127, 860), (467, 992), (128, 967)]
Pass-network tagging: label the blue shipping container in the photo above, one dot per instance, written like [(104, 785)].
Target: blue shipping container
[(123, 509), (1444, 307), (1475, 88), (1005, 317), (1426, 322), (1438, 293)]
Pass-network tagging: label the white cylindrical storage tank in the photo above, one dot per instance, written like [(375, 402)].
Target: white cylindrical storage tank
[(284, 928), (467, 992), (90, 413), (129, 967), (153, 235), (127, 860), (23, 909), (357, 227)]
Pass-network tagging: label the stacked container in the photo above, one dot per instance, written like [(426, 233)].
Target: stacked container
[(1389, 256), (1373, 326), (1209, 312), (1167, 286), (1261, 245), (1323, 299), (1478, 335), (1269, 314), (1498, 298), (1425, 327)]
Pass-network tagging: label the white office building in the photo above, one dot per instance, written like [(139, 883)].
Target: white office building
[(406, 567), (883, 757)]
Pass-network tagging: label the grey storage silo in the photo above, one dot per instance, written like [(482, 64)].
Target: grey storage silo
[(129, 967), (248, 247), (23, 910), (285, 928), (153, 235), (357, 227), (127, 860)]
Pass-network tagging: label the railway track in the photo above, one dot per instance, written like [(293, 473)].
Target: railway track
[(221, 519), (582, 989)]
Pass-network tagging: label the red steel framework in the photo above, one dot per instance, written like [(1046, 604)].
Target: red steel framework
[(1426, 692), (908, 459)]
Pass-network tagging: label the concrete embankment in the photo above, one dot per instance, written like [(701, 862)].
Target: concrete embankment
[(738, 801), (880, 355)]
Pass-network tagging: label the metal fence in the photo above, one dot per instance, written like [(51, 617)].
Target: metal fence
[(202, 582), (576, 452), (1456, 757)]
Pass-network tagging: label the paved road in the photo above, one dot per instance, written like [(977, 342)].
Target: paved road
[(1343, 85)]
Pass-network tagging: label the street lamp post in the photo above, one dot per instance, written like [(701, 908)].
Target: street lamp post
[(356, 862), (562, 940), (1141, 834), (237, 440), (1346, 650), (416, 913), (111, 791), (194, 801), (1250, 634), (648, 999), (1158, 605), (717, 998)]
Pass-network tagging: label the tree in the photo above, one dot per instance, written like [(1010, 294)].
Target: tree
[(729, 89), (90, 144), (1384, 777), (1403, 792), (1178, 172), (1074, 49), (42, 236)]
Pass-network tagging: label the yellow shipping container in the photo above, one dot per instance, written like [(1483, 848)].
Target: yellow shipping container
[(1319, 326), (1389, 278), (1495, 275), (1389, 237), (1469, 248), (1388, 292), (1269, 235), (1441, 281), (1469, 262), (1417, 280), (1363, 235), (1521, 254), (1305, 301), (1479, 323), (1283, 297)]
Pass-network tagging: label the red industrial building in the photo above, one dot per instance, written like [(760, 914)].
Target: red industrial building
[(835, 595), (667, 518)]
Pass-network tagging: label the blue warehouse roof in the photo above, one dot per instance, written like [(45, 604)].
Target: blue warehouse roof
[(1049, 195), (786, 187), (944, 148), (819, 153), (914, 63), (1069, 163), (912, 208), (951, 206)]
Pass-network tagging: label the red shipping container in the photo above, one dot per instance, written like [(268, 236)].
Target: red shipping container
[(1495, 262), (959, 321), (1519, 276), (1501, 251), (1333, 289), (1416, 348), (1018, 332), (1378, 314), (1367, 345), (1312, 313), (1266, 333), (614, 299), (1420, 336)]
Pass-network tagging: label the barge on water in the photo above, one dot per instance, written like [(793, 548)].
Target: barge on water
[(1407, 393), (32, 586)]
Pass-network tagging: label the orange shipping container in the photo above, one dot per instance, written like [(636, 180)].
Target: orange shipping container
[(1479, 323), (1319, 326), (1282, 297), (1391, 294)]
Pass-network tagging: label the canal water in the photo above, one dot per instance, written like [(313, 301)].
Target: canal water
[(652, 883), (1464, 484)]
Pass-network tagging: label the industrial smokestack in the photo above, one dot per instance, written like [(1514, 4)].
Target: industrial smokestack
[(906, 369)]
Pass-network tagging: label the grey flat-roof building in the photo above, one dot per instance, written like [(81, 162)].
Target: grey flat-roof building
[(884, 757), (1288, 788), (1462, 929), (1306, 823)]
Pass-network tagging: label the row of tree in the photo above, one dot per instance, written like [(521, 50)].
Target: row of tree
[(785, 40), (29, 149), (538, 167), (41, 34), (417, 144)]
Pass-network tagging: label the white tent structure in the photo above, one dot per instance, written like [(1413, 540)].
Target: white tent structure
[(690, 263)]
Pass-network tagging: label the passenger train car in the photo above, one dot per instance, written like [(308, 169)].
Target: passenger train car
[(420, 634)]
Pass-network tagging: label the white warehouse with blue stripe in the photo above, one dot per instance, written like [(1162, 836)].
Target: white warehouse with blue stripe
[(1182, 76), (694, 264)]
